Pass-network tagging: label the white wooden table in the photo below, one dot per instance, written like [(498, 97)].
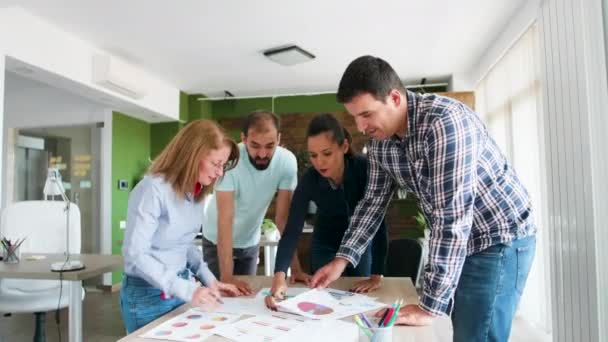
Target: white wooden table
[(391, 289)]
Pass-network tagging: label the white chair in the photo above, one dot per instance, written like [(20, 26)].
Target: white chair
[(43, 223)]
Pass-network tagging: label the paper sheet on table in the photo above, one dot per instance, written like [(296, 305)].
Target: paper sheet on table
[(322, 331), (348, 297), (291, 292), (256, 305), (192, 325), (320, 304), (260, 328)]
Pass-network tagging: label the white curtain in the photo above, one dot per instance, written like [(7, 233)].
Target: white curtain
[(508, 100)]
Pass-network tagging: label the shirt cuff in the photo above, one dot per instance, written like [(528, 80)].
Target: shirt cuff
[(349, 254), (206, 275), (434, 305), (183, 289)]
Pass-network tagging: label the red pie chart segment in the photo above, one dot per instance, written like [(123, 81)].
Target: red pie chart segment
[(314, 309)]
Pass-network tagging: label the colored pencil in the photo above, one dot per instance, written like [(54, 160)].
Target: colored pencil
[(392, 320), (366, 320), (362, 326)]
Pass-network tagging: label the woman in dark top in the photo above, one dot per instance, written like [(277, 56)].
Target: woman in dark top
[(335, 183)]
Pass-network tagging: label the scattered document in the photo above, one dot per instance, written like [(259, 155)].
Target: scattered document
[(321, 304), (260, 328), (313, 330), (193, 325), (255, 305)]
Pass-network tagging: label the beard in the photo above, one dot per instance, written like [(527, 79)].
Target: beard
[(259, 163)]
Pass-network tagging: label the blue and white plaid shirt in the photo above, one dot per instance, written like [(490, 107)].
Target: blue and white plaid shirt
[(468, 192)]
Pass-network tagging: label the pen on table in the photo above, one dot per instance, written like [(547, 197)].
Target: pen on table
[(391, 312), (20, 242)]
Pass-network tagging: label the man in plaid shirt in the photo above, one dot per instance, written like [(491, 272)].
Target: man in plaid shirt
[(482, 232)]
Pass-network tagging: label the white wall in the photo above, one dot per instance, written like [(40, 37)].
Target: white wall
[(461, 82), (30, 103), (34, 42), (516, 27)]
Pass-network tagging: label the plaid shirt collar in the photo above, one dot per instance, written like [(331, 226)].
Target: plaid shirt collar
[(412, 102)]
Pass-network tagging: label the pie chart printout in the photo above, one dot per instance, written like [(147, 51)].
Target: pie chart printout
[(315, 309)]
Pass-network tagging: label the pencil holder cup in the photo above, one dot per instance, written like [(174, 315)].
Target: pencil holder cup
[(379, 334), (11, 255)]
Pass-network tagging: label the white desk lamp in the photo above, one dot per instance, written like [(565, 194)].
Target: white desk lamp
[(54, 187)]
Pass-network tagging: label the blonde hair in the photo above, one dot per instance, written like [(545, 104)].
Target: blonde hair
[(179, 162)]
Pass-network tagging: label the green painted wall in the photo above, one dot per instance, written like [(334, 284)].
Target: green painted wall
[(284, 104), (238, 108), (307, 103), (184, 107), (130, 153), (199, 109), (160, 135)]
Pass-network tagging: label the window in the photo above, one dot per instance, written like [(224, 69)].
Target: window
[(508, 100)]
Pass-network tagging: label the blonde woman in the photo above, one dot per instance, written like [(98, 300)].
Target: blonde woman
[(164, 216)]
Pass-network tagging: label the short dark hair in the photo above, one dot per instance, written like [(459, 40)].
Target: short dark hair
[(327, 123), (368, 74), (258, 121)]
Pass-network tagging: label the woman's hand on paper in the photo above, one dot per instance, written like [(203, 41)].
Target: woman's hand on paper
[(363, 286), (278, 290), (206, 298)]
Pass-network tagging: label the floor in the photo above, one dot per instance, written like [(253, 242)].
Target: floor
[(101, 321)]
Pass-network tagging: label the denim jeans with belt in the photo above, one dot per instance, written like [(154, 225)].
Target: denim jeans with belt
[(489, 289), (141, 303)]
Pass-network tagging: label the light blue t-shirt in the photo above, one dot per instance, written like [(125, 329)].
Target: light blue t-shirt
[(253, 191)]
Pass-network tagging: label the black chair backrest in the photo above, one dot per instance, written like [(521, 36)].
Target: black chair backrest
[(403, 258)]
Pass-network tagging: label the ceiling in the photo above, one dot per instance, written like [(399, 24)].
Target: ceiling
[(211, 46)]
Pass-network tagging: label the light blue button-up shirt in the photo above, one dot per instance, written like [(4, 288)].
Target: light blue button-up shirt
[(159, 238)]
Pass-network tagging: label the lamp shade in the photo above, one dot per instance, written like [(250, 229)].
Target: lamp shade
[(53, 185)]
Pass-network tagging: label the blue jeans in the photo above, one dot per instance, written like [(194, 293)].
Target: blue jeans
[(141, 303), (322, 254), (489, 289)]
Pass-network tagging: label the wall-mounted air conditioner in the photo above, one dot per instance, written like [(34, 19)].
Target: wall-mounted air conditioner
[(113, 74)]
